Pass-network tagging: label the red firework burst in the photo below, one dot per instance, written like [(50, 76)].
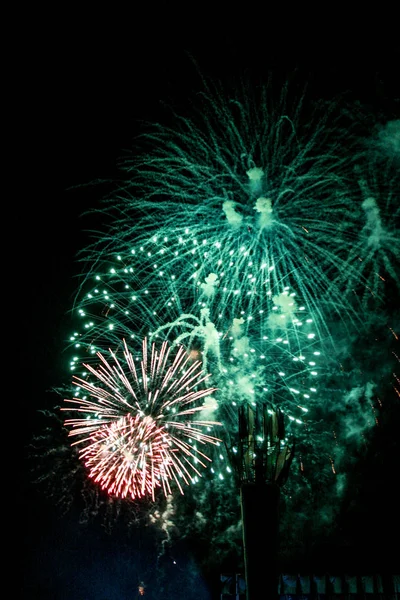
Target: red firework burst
[(137, 428)]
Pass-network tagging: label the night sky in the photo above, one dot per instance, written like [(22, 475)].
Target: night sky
[(86, 95)]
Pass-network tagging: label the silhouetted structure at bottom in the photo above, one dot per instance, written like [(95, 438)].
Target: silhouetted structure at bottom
[(262, 456), (318, 587), (261, 460)]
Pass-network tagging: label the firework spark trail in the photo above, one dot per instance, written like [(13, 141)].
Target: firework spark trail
[(377, 248), (137, 422), (243, 189)]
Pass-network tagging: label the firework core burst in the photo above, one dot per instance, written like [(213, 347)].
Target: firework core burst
[(137, 427)]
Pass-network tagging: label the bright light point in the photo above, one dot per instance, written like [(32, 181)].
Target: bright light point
[(316, 353), (311, 336), (220, 476), (313, 390), (312, 364), (281, 373)]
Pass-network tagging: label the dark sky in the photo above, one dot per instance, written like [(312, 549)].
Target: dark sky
[(84, 95)]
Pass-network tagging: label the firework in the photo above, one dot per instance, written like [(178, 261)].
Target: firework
[(377, 247), (137, 427), (245, 197)]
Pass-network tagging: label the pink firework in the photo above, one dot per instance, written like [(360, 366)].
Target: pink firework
[(137, 428)]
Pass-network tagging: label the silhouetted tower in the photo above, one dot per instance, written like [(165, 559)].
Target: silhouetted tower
[(262, 460)]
